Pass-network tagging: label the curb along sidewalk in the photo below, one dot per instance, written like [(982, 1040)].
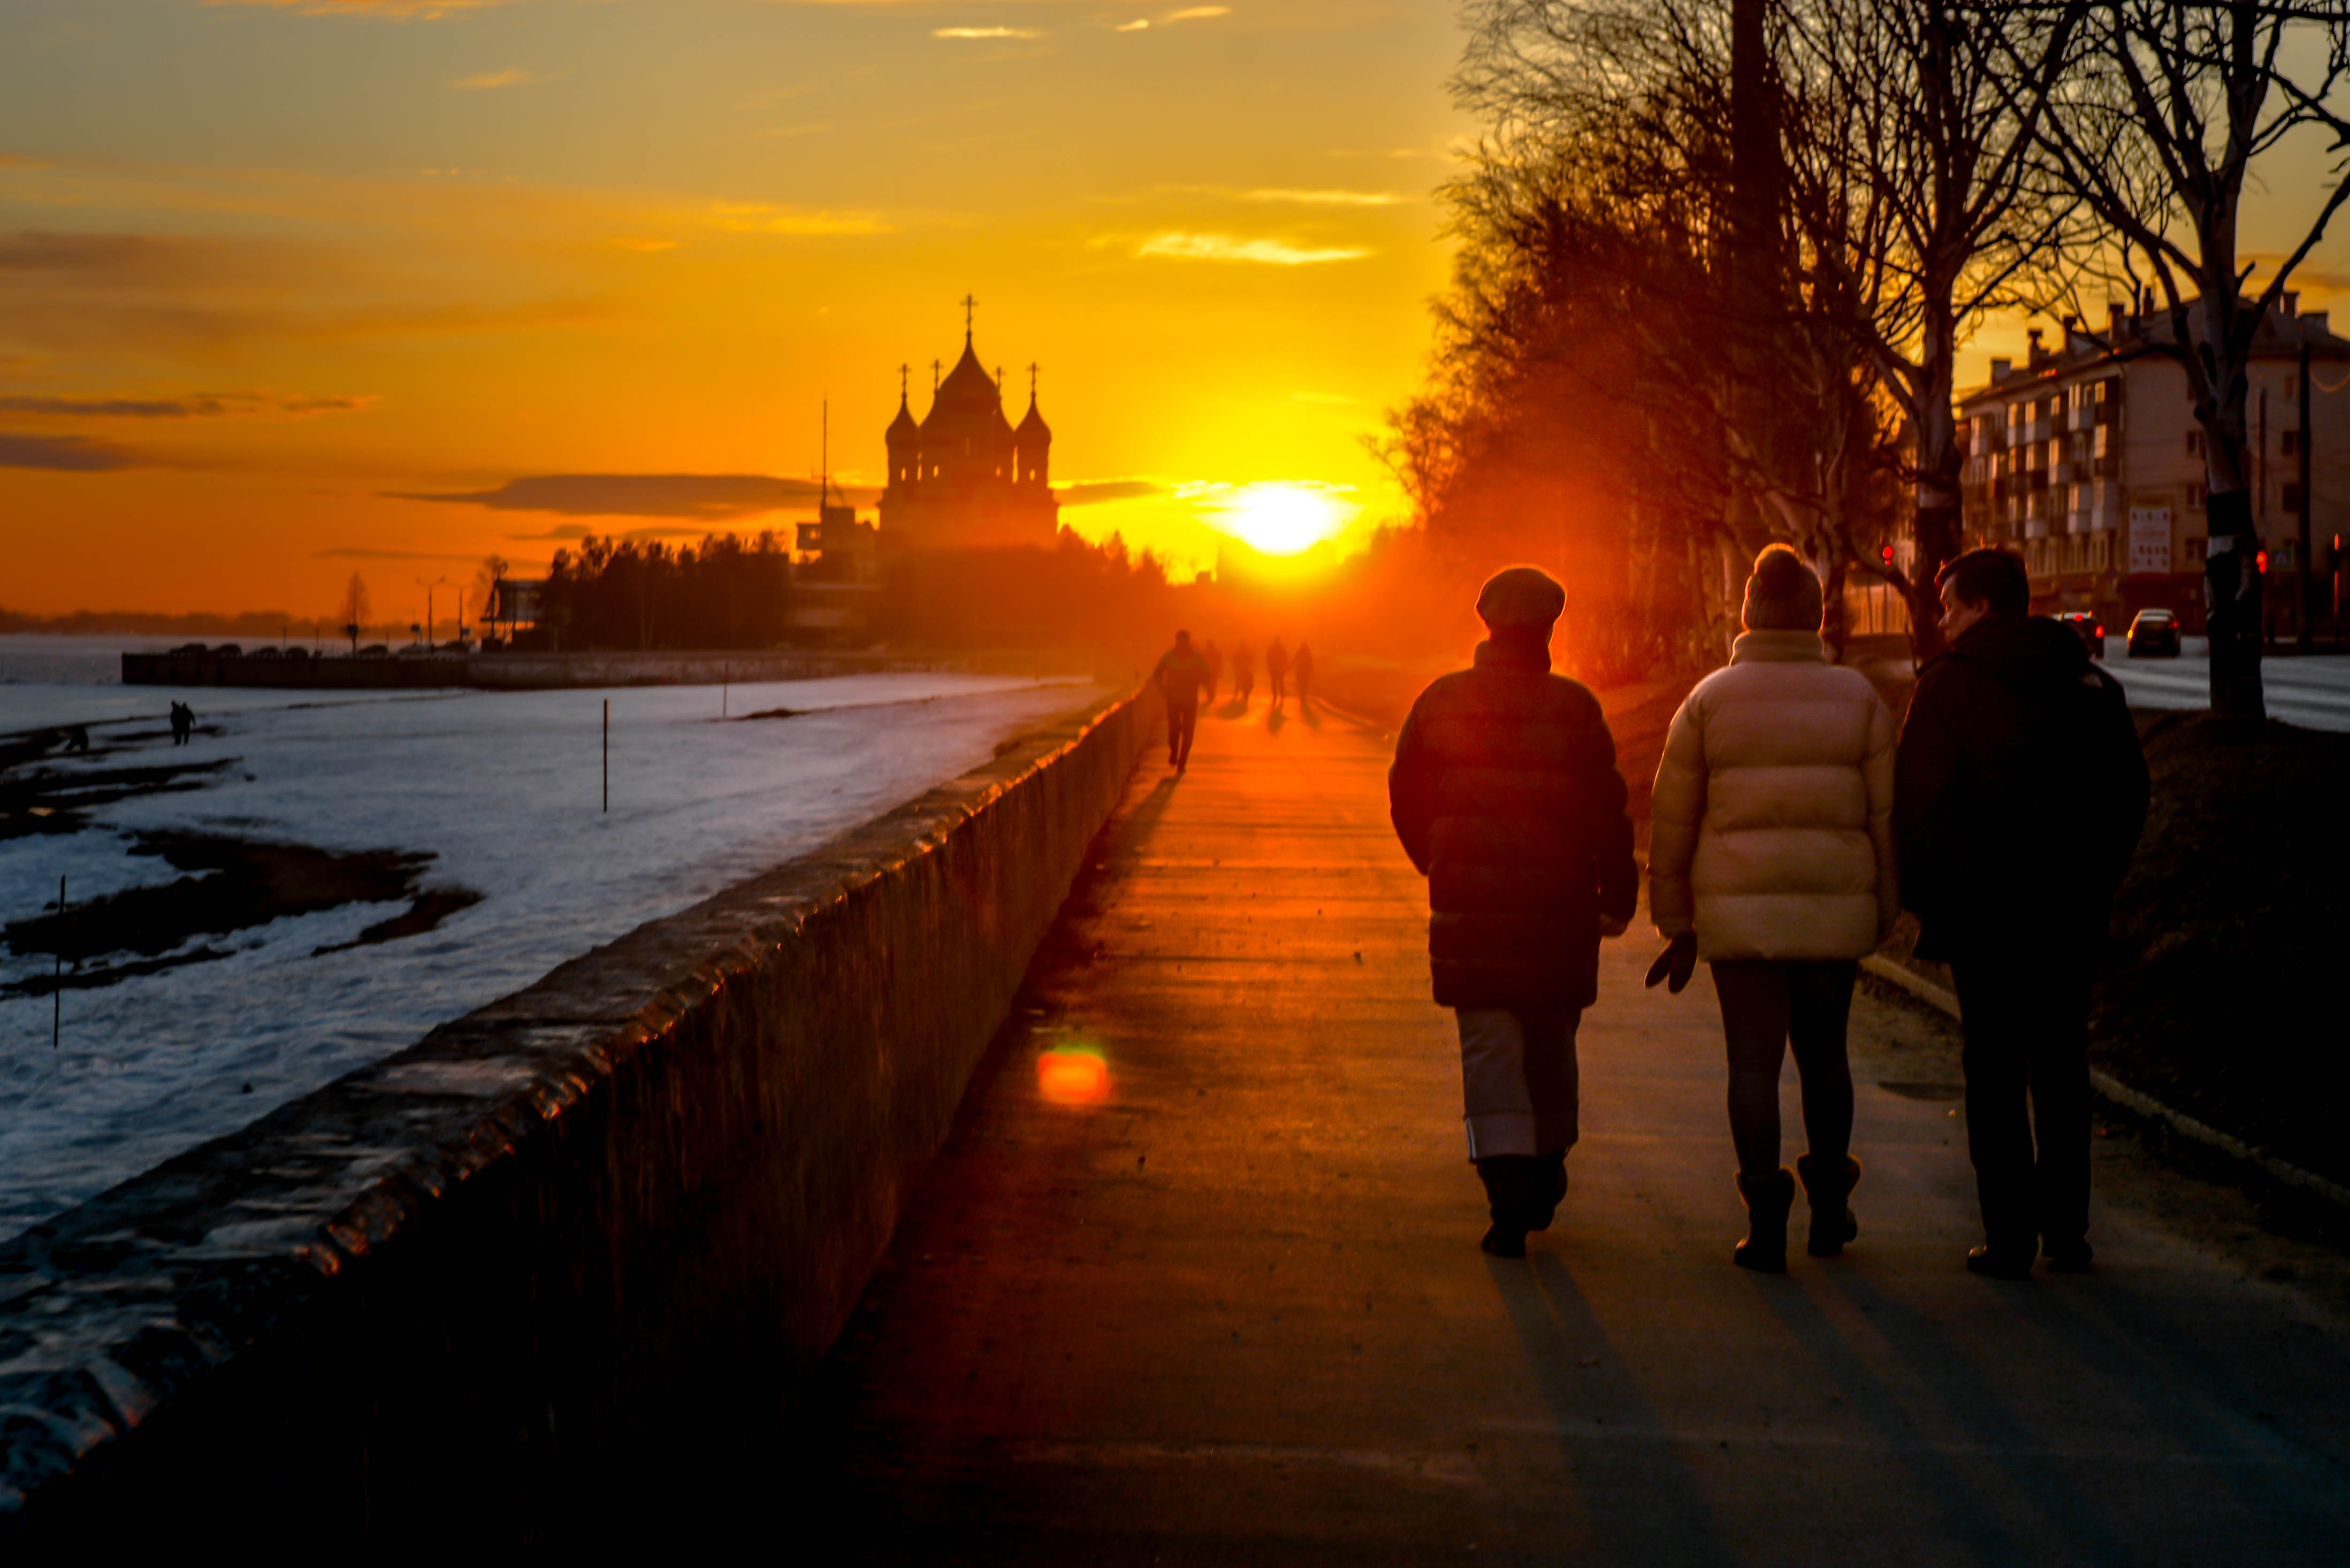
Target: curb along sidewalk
[(2113, 1089)]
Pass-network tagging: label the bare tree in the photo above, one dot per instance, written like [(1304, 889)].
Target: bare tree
[(2158, 136), (1910, 130), (354, 608)]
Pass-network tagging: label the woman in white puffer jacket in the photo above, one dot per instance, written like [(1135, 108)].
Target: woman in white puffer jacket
[(1773, 859)]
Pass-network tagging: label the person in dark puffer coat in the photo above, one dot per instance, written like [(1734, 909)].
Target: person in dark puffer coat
[(1505, 793)]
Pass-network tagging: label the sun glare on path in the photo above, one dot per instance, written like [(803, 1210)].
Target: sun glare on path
[(1277, 519), (1073, 1076)]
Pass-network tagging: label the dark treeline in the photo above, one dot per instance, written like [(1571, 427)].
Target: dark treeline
[(727, 591), (732, 591), (243, 626), (1074, 595)]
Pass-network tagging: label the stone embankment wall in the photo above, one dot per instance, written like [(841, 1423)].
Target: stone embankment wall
[(610, 1219)]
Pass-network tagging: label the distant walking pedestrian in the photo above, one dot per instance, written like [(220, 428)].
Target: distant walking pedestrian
[(1215, 669), (183, 724), (2020, 792), (1244, 673), (1180, 677), (1504, 792), (1773, 859), (1301, 671), (1277, 670)]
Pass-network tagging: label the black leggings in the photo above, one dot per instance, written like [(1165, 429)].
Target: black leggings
[(1765, 1003)]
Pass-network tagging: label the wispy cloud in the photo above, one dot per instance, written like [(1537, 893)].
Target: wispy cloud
[(986, 33), (426, 9), (1139, 25), (1232, 248), (359, 553), (1199, 13), (1326, 198), (761, 218), (712, 497), (1087, 492), (481, 81), (64, 455), (193, 406)]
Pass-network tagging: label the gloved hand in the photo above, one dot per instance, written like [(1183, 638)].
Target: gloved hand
[(1679, 960)]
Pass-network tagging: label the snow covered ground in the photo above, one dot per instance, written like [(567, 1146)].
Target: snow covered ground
[(503, 789)]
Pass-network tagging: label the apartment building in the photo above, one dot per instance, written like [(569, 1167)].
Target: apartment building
[(2087, 458)]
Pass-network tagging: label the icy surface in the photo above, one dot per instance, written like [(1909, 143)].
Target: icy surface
[(503, 788)]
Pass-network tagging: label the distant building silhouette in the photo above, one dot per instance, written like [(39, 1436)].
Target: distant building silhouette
[(962, 477)]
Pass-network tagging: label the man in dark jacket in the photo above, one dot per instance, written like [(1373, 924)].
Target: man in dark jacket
[(2019, 795), (1505, 793)]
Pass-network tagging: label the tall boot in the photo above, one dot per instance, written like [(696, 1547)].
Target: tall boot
[(1829, 1185), (1505, 1175), (1768, 1198)]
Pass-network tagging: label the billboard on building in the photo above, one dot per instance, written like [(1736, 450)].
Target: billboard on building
[(2149, 539)]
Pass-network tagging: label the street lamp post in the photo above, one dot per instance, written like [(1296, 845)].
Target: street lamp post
[(428, 608)]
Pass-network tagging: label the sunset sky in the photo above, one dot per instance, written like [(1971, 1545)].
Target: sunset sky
[(289, 287), (269, 273)]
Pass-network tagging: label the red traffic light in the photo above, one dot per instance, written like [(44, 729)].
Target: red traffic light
[(1887, 553), (2262, 560)]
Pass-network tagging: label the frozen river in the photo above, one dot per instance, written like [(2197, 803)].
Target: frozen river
[(459, 840)]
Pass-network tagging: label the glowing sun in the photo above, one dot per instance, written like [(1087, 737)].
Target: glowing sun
[(1283, 519)]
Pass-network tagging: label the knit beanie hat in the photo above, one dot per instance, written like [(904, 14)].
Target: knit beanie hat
[(1783, 594)]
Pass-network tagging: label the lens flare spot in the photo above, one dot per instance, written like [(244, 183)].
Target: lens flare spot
[(1073, 1076)]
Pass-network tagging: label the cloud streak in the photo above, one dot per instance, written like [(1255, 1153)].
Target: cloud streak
[(761, 218), (485, 82), (1089, 492), (64, 455), (986, 33), (708, 497), (1184, 246), (194, 406)]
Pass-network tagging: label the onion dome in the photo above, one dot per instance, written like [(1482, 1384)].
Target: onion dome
[(1033, 431)]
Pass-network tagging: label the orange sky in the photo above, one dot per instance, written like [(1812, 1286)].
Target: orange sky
[(274, 273), (274, 270)]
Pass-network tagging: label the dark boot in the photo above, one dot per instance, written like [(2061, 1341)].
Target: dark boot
[(1828, 1186), (1545, 1190), (1510, 1180), (1768, 1198)]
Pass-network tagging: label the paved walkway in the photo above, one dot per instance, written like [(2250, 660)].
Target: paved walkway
[(1233, 1311)]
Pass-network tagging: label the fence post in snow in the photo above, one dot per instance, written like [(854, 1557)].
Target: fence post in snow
[(607, 755)]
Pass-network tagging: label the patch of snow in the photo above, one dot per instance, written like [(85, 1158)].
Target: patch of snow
[(504, 788)]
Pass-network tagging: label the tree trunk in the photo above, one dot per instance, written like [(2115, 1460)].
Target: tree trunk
[(2231, 575), (1937, 524)]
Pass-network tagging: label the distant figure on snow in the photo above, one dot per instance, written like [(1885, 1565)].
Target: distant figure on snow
[(1180, 677), (1301, 670), (183, 724), (77, 738), (1215, 669), (1773, 861), (1244, 673), (1505, 793), (1277, 670)]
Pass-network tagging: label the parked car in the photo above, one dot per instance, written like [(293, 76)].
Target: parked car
[(190, 650), (228, 650), (2088, 628), (2153, 631), (273, 651), (375, 650)]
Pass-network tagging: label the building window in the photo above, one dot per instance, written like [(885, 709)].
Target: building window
[(2196, 496), (2293, 500), (2195, 549), (2195, 443), (2292, 443)]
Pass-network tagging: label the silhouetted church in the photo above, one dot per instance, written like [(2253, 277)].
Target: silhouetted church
[(964, 478)]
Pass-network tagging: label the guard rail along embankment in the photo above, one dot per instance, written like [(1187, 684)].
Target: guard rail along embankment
[(615, 1214)]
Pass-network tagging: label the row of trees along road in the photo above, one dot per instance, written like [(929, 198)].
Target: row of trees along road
[(1717, 258)]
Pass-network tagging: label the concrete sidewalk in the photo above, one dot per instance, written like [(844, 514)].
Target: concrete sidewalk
[(1233, 1311)]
